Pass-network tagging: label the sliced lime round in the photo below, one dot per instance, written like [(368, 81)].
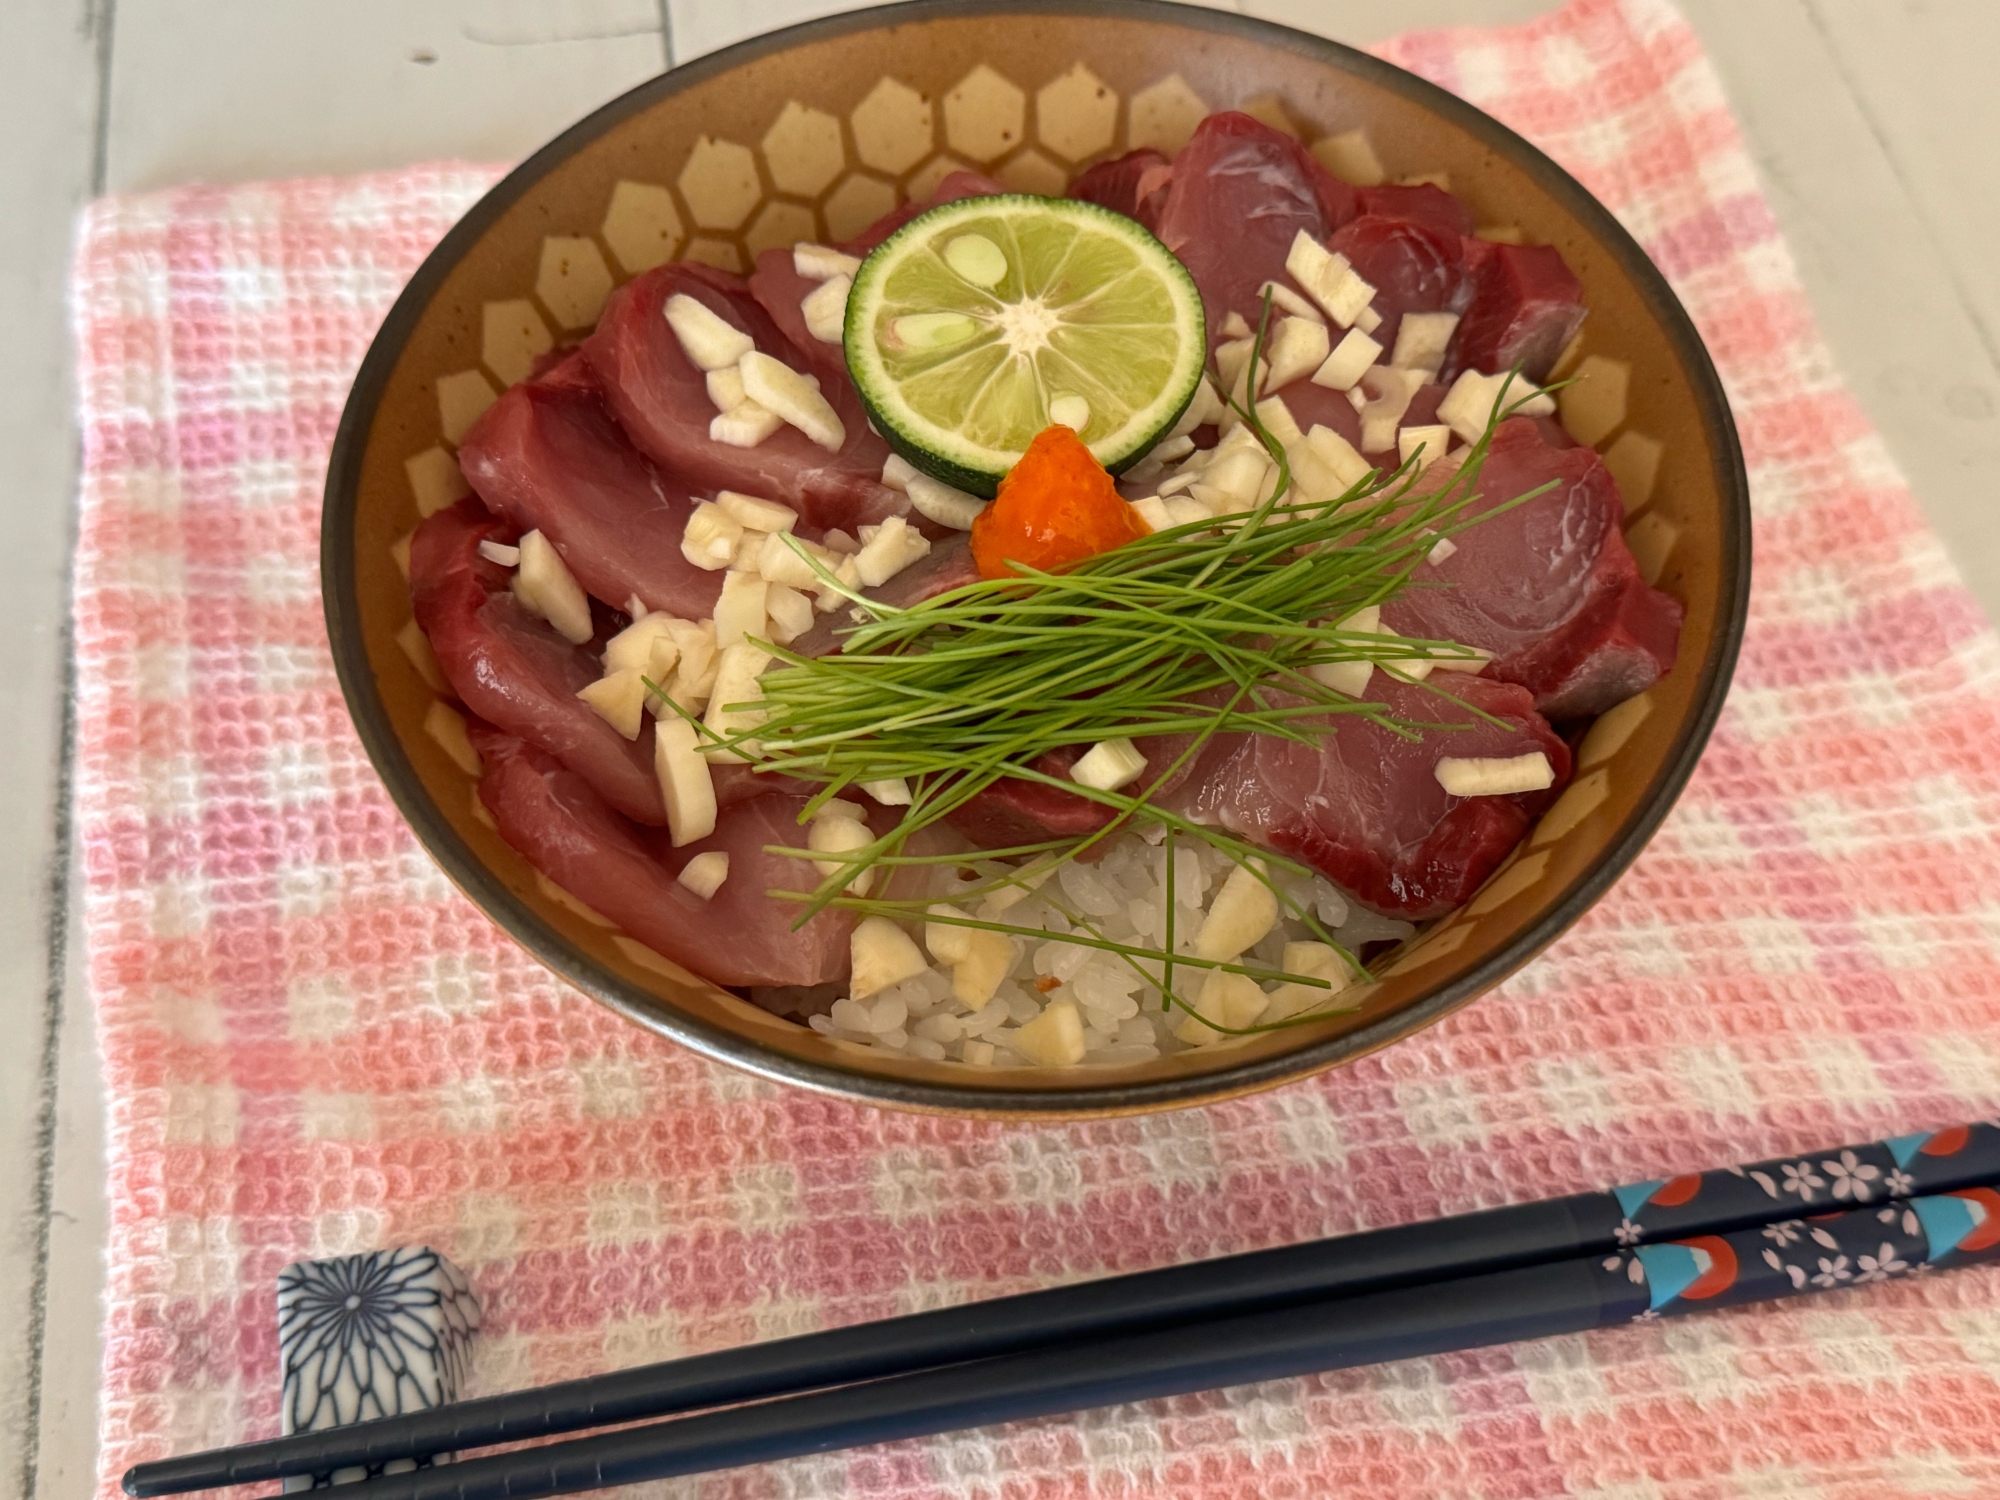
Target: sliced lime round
[(978, 324)]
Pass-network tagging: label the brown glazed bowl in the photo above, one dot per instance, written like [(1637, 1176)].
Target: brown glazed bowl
[(812, 133)]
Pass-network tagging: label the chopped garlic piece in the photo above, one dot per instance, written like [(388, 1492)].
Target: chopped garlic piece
[(1368, 320), (848, 574), (1070, 411), (1278, 421), (659, 672), (897, 471), (895, 545), (1243, 392), (895, 792), (1230, 359), (1203, 407), (1350, 360), (685, 783), (1236, 326), (705, 873), (788, 560), (1392, 390), (730, 698), (1495, 776), (941, 503), (818, 262), (976, 258), (1473, 659), (1422, 340), (948, 942), (545, 585), (880, 954), (1312, 480), (710, 537), (619, 699), (1108, 765), (1153, 511), (840, 836), (1288, 301), (1350, 677), (1231, 485), (744, 426), (1315, 961), (1432, 441), (754, 514), (1444, 549), (501, 553), (739, 613), (1471, 401), (988, 957), (1232, 1000), (725, 388), (1298, 347), (1328, 279), (1241, 916), (695, 672), (825, 307), (790, 612), (780, 389), (710, 341), (1341, 457), (1054, 1039)]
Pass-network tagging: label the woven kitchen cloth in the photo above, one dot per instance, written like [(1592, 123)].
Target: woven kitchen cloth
[(312, 1045)]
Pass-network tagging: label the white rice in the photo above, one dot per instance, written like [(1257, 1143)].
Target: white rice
[(1122, 897)]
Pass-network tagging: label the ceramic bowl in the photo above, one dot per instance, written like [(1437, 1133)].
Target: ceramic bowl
[(812, 133)]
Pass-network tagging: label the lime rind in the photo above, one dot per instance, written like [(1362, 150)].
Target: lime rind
[(1112, 315)]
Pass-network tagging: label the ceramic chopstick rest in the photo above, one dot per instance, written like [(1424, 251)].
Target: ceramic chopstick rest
[(375, 1335)]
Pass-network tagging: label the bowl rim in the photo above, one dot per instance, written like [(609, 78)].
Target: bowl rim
[(500, 904)]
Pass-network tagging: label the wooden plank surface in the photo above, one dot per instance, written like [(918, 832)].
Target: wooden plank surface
[(48, 119), (1867, 118), (226, 90)]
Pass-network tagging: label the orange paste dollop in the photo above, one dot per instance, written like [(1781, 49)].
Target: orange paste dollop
[(1056, 507)]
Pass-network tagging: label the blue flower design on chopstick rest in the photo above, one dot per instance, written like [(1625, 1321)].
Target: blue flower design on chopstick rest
[(1822, 1181), (365, 1336)]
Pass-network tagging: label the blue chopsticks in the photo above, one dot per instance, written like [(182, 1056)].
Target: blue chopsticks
[(1730, 1235)]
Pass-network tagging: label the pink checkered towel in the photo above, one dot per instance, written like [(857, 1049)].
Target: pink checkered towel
[(312, 1045)]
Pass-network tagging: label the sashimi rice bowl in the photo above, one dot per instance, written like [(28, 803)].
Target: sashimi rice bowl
[(1035, 635)]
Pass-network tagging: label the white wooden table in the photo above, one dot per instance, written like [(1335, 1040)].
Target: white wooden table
[(1870, 119)]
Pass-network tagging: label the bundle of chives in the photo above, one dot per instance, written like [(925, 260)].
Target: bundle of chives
[(1204, 629)]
